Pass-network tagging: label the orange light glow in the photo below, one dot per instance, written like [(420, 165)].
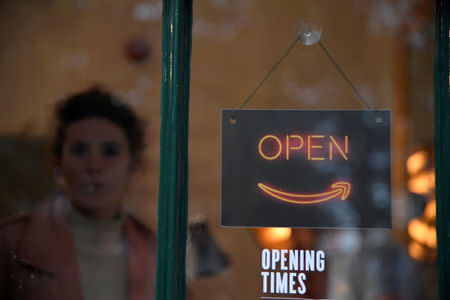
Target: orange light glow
[(416, 162), (275, 235), (338, 189), (422, 233), (432, 238), (418, 230), (430, 211), (416, 251), (422, 183)]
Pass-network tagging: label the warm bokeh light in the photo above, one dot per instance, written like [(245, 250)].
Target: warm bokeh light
[(416, 251), (275, 235), (422, 233), (422, 183), (418, 230), (431, 239), (430, 211), (416, 162)]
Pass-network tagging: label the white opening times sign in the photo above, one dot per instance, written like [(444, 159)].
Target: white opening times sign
[(284, 271)]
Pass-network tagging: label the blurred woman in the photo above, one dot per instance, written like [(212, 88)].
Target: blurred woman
[(80, 244)]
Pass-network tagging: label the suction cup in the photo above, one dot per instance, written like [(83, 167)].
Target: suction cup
[(311, 32)]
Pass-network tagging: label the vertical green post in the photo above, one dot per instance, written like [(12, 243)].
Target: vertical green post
[(173, 178), (442, 114)]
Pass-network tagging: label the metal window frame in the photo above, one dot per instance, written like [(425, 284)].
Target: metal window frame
[(173, 178)]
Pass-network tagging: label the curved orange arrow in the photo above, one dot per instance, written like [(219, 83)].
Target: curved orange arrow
[(338, 189)]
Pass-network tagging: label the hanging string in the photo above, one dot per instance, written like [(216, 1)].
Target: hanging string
[(343, 75), (361, 99), (273, 69)]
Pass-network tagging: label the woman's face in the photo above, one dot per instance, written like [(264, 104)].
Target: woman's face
[(96, 166)]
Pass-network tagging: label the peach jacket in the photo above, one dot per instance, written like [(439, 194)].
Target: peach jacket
[(38, 259)]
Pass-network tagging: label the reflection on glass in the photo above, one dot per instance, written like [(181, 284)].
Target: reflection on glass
[(81, 242)]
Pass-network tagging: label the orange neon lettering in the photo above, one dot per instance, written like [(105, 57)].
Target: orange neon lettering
[(314, 147), (346, 144), (339, 189), (279, 147), (338, 147), (309, 149), (331, 151), (289, 147)]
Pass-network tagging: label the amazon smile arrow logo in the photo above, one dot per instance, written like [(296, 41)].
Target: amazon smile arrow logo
[(338, 189)]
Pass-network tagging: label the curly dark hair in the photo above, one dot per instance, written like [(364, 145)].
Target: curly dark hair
[(96, 102)]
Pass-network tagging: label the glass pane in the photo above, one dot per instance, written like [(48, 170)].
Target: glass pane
[(53, 49), (386, 50)]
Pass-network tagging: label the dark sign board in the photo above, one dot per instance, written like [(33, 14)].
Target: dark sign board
[(306, 168)]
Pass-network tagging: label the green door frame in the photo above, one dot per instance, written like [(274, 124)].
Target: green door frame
[(442, 114), (173, 175)]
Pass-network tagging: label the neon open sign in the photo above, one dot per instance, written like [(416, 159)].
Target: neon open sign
[(272, 147), (297, 168)]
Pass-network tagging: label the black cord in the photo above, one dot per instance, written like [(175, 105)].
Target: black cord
[(284, 56), (343, 75), (271, 70)]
